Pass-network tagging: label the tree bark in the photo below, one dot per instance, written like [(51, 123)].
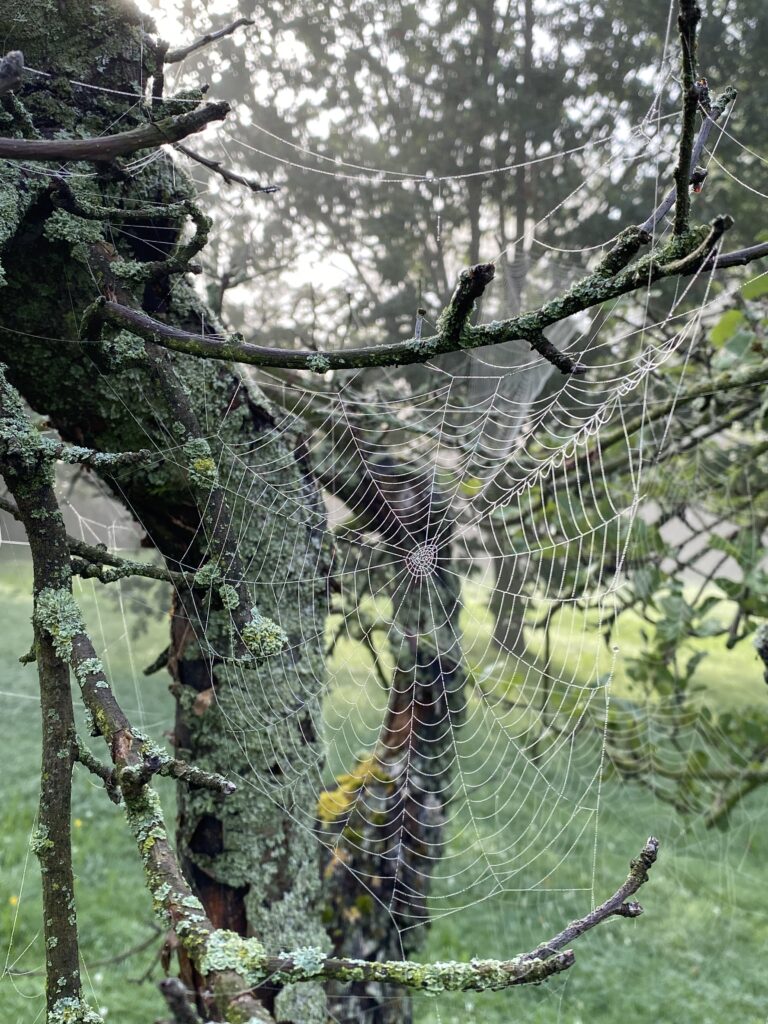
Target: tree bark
[(252, 857)]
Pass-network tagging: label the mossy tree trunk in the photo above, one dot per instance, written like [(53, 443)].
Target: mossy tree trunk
[(251, 856)]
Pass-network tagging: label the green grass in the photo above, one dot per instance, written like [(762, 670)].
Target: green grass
[(696, 954)]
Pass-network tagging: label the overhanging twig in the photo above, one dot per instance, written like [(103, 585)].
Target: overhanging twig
[(231, 177)]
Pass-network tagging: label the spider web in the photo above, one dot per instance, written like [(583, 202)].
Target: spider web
[(516, 504)]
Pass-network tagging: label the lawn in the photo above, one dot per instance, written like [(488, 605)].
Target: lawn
[(549, 847)]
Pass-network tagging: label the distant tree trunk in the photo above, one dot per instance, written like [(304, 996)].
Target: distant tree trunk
[(392, 833), (251, 856)]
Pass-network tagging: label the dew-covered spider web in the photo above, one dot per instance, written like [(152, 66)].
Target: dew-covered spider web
[(489, 522)]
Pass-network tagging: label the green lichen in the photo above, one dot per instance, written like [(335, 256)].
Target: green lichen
[(207, 575), (263, 637), (131, 273), (200, 461), (66, 227), (57, 613), (334, 804), (72, 1011), (228, 951), (318, 363), (229, 597), (145, 819)]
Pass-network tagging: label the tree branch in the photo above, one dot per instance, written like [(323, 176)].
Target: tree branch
[(174, 56), (27, 477), (710, 119), (687, 23), (231, 177), (108, 147), (615, 905), (591, 291), (92, 561)]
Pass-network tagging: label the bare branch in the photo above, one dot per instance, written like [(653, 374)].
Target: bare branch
[(737, 258), (108, 147), (174, 56), (231, 177), (710, 119), (103, 771), (614, 905)]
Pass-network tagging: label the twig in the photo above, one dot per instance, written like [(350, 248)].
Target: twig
[(103, 771), (541, 344), (160, 662), (175, 993), (615, 905), (116, 958), (174, 56), (710, 119), (229, 176), (156, 762), (737, 258), (108, 147), (92, 561), (687, 23)]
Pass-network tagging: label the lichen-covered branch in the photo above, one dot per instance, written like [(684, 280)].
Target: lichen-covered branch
[(94, 561), (27, 474), (108, 147), (683, 256), (62, 641), (687, 22), (454, 320)]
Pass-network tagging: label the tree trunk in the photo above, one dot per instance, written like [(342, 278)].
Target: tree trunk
[(385, 823), (251, 856)]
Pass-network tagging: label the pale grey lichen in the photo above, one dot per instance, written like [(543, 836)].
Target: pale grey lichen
[(90, 667), (308, 961)]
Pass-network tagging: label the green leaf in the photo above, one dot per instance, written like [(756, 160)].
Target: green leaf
[(754, 289), (726, 326)]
